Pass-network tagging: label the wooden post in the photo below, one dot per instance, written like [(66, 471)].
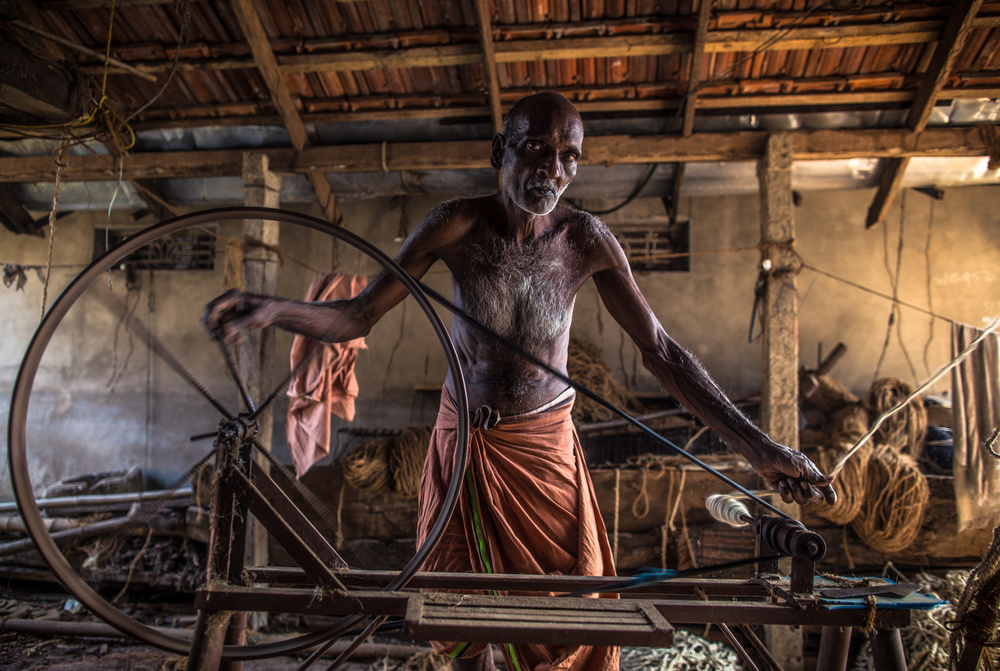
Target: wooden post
[(780, 349), (255, 355)]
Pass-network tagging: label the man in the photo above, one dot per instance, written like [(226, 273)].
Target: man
[(517, 260)]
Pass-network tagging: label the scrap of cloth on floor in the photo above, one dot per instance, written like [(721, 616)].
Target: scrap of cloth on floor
[(327, 384), (528, 506)]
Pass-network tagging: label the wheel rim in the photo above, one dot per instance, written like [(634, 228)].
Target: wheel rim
[(18, 419)]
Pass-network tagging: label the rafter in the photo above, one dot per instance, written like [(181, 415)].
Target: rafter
[(697, 63), (956, 30), (465, 155), (253, 31), (489, 62)]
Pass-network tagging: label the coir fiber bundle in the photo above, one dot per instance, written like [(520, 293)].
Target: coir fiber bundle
[(367, 466), (906, 430), (851, 482), (586, 366), (896, 495), (406, 460)]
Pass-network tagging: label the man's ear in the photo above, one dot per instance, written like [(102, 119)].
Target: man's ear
[(496, 153)]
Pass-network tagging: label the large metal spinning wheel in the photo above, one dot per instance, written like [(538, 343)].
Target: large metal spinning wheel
[(18, 425)]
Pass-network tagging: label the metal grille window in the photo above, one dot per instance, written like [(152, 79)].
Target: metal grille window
[(656, 246), (191, 249)]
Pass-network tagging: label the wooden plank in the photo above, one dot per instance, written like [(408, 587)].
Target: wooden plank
[(536, 620)]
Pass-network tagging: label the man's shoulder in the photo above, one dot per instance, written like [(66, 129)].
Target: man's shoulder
[(583, 225), (460, 211)]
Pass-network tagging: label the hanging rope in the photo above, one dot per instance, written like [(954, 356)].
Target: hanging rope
[(59, 157)]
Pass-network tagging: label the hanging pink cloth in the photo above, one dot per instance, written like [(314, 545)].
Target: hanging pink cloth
[(327, 384)]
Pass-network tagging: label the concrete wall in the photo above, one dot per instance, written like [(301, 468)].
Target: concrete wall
[(92, 411)]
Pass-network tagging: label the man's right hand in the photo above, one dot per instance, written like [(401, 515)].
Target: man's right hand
[(228, 315)]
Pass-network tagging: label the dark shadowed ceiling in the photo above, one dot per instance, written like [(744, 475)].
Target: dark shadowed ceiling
[(375, 98)]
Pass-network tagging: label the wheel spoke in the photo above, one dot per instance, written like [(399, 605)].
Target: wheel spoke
[(114, 305)]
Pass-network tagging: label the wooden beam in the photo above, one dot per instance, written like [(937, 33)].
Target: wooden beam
[(40, 90), (253, 31), (888, 186), (13, 215), (256, 354), (395, 109), (697, 61), (466, 155), (489, 62), (952, 39), (675, 196), (779, 385)]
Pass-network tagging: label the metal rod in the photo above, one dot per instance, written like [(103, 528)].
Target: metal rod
[(82, 500), (227, 354), (62, 537), (740, 650), (761, 648)]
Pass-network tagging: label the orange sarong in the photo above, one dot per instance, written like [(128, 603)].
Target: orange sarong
[(528, 481)]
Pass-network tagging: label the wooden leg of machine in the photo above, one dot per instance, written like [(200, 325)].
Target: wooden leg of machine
[(209, 638), (971, 656), (834, 646), (887, 650), (236, 634)]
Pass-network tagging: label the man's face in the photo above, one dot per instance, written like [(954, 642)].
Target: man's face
[(539, 159)]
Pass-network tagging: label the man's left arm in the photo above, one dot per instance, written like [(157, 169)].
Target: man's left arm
[(790, 472)]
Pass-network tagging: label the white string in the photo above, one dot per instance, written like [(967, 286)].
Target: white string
[(916, 392), (728, 510)]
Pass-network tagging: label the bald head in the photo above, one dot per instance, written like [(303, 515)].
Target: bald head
[(543, 104)]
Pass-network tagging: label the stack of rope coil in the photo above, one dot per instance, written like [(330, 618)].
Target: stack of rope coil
[(881, 492), (586, 366), (896, 492), (906, 430), (850, 484), (395, 462)]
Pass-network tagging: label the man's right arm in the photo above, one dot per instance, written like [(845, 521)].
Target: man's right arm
[(334, 321)]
